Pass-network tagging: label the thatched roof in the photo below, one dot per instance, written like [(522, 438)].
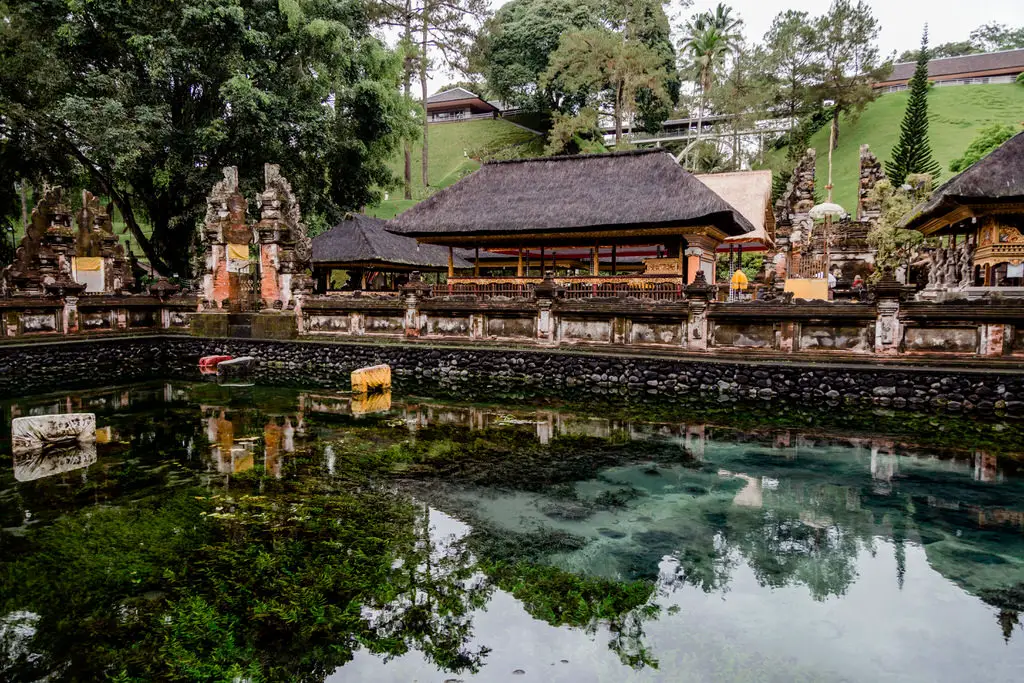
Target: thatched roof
[(750, 193), (362, 241), (996, 178), (600, 192)]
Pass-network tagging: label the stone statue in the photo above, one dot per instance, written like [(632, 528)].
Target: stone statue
[(952, 276), (939, 267), (966, 264)]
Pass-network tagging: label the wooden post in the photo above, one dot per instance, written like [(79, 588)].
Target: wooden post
[(519, 265), (542, 261), (451, 262), (614, 255), (476, 263), (595, 265)]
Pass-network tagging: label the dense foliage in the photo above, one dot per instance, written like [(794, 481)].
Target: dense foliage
[(987, 140), (146, 101)]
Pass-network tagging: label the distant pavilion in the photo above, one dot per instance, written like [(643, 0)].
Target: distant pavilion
[(983, 207), (373, 257), (545, 208)]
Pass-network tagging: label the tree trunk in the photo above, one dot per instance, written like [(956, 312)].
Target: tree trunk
[(24, 206), (618, 116), (407, 89), (423, 84), (835, 126), (700, 126)]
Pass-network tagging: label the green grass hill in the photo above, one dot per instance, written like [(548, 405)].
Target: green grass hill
[(455, 151), (955, 116)]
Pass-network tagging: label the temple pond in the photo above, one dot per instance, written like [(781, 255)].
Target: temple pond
[(250, 533)]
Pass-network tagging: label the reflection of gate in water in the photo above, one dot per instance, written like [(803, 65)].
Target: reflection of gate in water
[(245, 301)]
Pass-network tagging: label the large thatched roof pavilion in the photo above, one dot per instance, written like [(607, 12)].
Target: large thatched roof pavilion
[(985, 206), (594, 202), (360, 244)]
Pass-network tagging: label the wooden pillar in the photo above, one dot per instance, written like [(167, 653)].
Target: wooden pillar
[(476, 262), (595, 263), (451, 262), (519, 265), (614, 256), (682, 257), (542, 261)]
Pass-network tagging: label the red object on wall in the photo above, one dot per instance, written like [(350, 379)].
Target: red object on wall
[(208, 364)]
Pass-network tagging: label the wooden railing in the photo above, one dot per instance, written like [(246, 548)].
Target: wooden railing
[(657, 287)]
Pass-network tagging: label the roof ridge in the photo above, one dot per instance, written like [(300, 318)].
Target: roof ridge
[(976, 54), (573, 157)]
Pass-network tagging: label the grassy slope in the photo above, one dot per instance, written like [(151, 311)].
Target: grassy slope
[(955, 115), (452, 153)]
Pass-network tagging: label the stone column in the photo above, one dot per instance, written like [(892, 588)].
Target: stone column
[(413, 291), (993, 339), (888, 328), (698, 293), (70, 315), (546, 293)]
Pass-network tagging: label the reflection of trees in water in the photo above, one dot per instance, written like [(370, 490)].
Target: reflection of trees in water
[(251, 587)]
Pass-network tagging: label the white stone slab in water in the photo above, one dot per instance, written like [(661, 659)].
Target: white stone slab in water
[(37, 431), (30, 465)]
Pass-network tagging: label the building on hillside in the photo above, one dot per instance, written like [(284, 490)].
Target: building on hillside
[(990, 67), (979, 214), (641, 198), (374, 258), (458, 104)]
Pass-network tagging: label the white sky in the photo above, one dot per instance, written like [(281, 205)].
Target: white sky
[(901, 20)]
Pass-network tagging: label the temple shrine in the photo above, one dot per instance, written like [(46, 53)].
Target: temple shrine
[(978, 218)]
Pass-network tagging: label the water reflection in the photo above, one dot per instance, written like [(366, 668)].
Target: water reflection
[(534, 535), (30, 465)]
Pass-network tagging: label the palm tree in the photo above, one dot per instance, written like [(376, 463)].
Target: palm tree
[(710, 36)]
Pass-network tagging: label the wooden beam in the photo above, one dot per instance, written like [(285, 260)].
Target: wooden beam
[(451, 262), (476, 262), (614, 257), (519, 264), (595, 264)]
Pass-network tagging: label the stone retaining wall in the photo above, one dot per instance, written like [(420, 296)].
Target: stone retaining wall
[(471, 371)]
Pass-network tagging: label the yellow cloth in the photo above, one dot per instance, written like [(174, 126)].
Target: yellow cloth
[(88, 263), (739, 280), (238, 251)]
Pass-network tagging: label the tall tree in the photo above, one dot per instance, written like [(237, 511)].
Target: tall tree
[(710, 37), (146, 101), (913, 152), (447, 29), (645, 21), (514, 47), (847, 59), (615, 69), (789, 62)]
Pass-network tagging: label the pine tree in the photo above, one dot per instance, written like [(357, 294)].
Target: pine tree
[(913, 153)]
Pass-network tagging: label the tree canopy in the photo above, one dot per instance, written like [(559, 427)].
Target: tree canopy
[(146, 101)]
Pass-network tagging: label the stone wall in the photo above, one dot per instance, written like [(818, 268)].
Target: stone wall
[(469, 371)]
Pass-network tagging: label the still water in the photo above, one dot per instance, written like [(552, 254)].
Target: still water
[(249, 533)]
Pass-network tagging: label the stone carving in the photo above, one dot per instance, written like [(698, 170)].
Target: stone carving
[(798, 197), (966, 260), (38, 431), (870, 173), (44, 262), (285, 248), (226, 239)]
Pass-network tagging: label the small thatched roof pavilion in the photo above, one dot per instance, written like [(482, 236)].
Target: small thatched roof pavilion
[(641, 197), (985, 205), (995, 184), (360, 243)]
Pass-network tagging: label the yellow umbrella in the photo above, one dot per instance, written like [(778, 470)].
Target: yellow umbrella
[(739, 280)]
